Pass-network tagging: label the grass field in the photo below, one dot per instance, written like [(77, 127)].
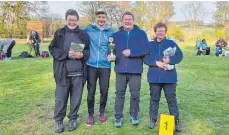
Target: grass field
[(27, 98)]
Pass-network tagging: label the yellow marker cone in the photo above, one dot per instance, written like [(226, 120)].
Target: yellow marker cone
[(167, 124)]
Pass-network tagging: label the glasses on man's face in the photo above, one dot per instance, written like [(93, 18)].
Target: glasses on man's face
[(71, 20), (161, 31)]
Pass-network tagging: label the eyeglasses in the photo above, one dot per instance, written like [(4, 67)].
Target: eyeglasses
[(71, 20), (160, 31)]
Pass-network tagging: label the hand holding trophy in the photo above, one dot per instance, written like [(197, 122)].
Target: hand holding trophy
[(111, 47)]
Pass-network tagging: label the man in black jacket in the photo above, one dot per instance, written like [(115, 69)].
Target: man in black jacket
[(35, 41), (69, 72)]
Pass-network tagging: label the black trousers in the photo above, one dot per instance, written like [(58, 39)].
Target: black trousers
[(74, 88), (170, 94), (37, 49), (9, 50), (134, 81), (93, 74)]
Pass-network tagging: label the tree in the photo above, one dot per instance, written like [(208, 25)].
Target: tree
[(51, 23), (114, 10), (88, 8), (149, 12), (221, 16), (14, 14), (179, 34), (194, 13)]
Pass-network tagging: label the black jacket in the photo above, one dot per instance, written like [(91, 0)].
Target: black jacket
[(37, 37), (60, 55)]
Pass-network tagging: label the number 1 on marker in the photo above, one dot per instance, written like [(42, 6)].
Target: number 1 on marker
[(166, 124)]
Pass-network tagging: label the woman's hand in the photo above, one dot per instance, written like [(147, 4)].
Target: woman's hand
[(160, 64), (166, 60), (79, 55), (71, 53)]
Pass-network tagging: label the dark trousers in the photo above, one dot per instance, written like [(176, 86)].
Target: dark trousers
[(37, 49), (134, 81), (93, 74), (74, 87), (170, 95), (9, 50)]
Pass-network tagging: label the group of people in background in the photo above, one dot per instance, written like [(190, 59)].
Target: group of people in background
[(6, 46), (204, 49), (93, 63)]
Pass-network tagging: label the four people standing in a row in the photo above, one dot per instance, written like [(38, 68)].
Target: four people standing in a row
[(132, 49)]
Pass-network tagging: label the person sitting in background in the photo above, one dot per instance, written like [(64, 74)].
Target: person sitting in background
[(220, 47), (35, 40), (6, 47), (203, 48)]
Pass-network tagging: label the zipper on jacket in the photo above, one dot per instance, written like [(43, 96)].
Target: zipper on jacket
[(127, 45), (159, 68), (98, 49), (128, 36)]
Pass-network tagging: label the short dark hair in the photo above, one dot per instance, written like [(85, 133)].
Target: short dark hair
[(128, 13), (71, 12), (100, 12), (159, 25)]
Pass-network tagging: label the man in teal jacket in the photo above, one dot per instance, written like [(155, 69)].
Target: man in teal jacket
[(98, 65)]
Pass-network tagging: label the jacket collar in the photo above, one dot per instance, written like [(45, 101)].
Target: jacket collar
[(62, 30), (107, 26), (155, 39), (76, 30), (134, 29)]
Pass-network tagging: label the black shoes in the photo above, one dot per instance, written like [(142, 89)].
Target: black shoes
[(178, 126), (152, 124), (59, 127), (72, 125)]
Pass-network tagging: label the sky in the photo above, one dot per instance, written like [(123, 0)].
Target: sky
[(60, 7)]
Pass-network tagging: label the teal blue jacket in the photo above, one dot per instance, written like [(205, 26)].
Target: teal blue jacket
[(99, 40), (203, 45)]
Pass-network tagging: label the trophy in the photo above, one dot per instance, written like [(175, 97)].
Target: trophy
[(112, 47), (170, 52)]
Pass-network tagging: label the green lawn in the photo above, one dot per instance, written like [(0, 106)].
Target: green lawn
[(27, 98)]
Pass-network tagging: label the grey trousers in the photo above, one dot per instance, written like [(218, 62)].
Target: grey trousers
[(134, 81), (170, 95), (74, 88)]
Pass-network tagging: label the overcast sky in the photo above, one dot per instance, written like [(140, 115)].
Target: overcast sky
[(60, 7)]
